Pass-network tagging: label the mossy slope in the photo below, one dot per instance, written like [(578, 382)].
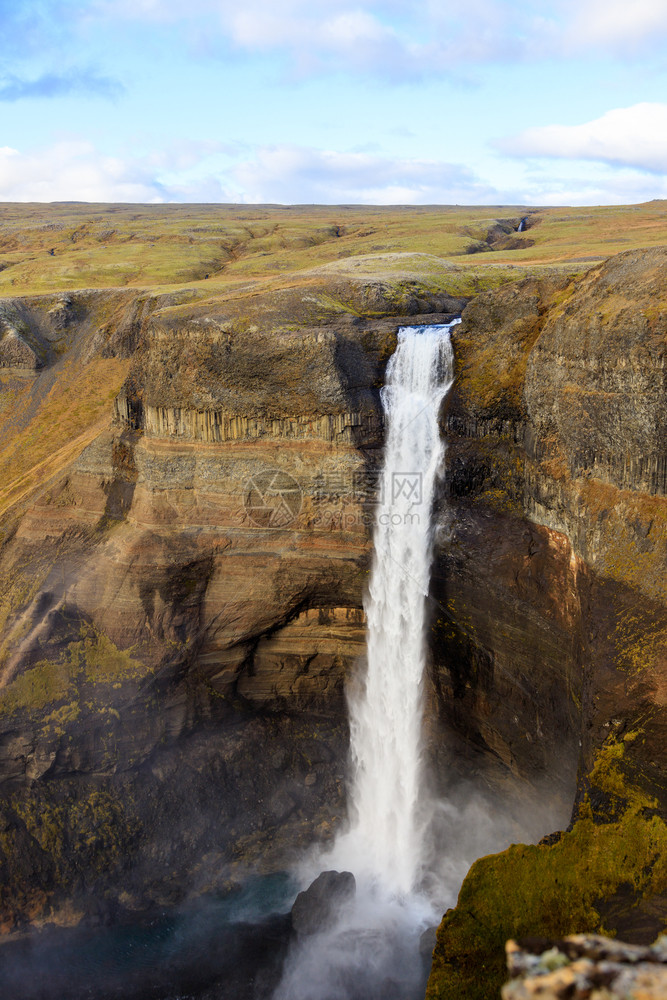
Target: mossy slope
[(553, 889)]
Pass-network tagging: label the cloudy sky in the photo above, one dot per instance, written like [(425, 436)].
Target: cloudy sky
[(339, 101)]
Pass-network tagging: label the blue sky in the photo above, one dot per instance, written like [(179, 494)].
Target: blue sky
[(337, 101)]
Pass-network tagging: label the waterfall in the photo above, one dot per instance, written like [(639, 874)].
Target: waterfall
[(372, 949), (384, 842)]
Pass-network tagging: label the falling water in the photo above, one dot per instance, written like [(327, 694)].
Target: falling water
[(408, 852), (372, 950), (384, 841)]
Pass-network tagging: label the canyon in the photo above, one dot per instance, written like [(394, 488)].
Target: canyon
[(185, 538)]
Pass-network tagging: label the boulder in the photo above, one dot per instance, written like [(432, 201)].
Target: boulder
[(316, 907), (15, 353)]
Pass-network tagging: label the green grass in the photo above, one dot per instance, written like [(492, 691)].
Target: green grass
[(100, 246), (67, 418)]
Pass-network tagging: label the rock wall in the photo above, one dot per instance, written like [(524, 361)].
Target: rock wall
[(181, 602), (550, 655), (179, 610)]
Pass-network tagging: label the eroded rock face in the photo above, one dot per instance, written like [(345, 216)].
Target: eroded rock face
[(550, 640), (181, 607)]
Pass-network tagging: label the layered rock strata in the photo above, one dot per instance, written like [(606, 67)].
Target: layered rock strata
[(550, 644), (182, 602), (182, 597)]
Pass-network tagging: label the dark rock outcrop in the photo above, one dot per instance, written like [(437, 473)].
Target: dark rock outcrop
[(16, 353), (315, 908)]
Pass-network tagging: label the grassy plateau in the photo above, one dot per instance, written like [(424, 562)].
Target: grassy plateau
[(218, 248)]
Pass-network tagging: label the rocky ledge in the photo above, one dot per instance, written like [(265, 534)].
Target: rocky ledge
[(585, 967)]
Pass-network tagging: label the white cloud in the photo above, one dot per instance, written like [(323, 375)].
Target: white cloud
[(595, 187), (295, 174), (204, 172), (333, 40), (311, 35), (634, 136), (617, 24), (74, 171), (39, 35), (406, 38)]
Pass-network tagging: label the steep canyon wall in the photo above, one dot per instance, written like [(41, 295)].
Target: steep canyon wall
[(552, 581), (181, 598), (181, 606)]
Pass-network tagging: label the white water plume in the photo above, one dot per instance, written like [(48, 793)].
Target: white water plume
[(384, 843), (408, 852), (372, 949)]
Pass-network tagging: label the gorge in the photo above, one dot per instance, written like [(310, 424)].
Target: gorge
[(173, 721)]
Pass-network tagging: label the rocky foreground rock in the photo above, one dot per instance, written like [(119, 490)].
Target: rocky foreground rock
[(315, 908), (585, 967)]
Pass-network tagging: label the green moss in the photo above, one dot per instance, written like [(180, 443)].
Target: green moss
[(92, 831), (101, 661), (491, 370), (330, 303), (620, 514), (496, 470), (640, 639), (502, 501), (552, 890), (93, 659), (42, 685), (59, 719)]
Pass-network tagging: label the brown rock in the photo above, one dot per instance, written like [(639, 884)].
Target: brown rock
[(584, 967)]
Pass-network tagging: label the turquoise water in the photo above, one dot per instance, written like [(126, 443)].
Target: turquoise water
[(230, 941)]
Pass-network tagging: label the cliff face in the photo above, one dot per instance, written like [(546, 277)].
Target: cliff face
[(181, 582), (181, 599), (551, 649)]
